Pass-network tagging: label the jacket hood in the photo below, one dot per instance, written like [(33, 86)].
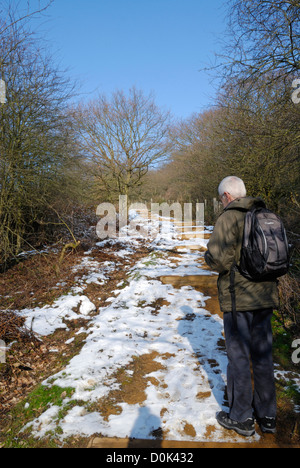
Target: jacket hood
[(246, 203)]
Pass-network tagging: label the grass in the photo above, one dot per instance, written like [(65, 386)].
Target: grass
[(36, 403), (282, 345)]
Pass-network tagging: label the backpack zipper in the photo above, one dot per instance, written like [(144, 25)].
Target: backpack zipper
[(274, 239), (264, 240)]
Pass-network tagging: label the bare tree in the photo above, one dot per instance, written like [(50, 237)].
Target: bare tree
[(264, 39), (123, 137), (13, 21), (35, 138)]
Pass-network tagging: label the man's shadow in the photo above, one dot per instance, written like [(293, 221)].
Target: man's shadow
[(147, 431), (204, 333)]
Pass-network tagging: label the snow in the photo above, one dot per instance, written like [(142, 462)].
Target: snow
[(44, 321), (192, 361)]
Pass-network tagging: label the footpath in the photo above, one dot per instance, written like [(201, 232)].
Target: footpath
[(179, 262), (152, 370)]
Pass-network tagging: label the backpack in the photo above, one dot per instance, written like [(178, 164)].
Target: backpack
[(265, 253)]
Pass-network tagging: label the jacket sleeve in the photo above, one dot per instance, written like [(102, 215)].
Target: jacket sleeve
[(222, 246)]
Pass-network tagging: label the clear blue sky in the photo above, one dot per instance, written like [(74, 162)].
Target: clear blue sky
[(156, 45)]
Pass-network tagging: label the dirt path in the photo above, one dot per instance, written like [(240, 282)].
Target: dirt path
[(207, 285), (151, 369)]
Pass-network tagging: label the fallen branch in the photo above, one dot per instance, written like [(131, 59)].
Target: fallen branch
[(12, 328), (70, 245)]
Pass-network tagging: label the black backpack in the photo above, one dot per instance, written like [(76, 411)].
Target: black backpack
[(265, 253)]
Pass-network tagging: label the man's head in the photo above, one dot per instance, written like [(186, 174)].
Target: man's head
[(231, 188)]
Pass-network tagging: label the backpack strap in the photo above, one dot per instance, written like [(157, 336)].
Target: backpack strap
[(232, 293)]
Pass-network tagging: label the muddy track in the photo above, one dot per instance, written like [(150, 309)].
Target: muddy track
[(151, 370)]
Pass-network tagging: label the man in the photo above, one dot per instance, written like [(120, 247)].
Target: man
[(249, 338)]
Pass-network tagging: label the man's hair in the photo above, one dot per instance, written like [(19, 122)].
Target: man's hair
[(233, 185)]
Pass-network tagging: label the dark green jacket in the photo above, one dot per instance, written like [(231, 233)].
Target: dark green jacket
[(224, 247)]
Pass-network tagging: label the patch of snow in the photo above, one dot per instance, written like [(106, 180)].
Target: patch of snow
[(45, 320)]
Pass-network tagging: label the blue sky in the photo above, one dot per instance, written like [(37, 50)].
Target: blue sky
[(156, 45)]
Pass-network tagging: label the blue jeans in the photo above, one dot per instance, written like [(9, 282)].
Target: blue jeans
[(250, 343)]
